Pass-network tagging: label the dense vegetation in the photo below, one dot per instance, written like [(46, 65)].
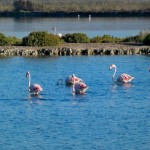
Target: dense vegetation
[(8, 40), (72, 6), (43, 38), (75, 5), (106, 39), (76, 38), (146, 40), (23, 5)]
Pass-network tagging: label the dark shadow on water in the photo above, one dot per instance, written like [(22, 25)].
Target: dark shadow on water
[(35, 96)]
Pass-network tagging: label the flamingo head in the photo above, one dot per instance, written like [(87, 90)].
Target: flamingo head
[(27, 74), (112, 66)]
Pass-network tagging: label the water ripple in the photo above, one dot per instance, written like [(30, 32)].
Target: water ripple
[(109, 116)]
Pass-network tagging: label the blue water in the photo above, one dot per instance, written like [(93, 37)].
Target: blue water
[(108, 117), (114, 26)]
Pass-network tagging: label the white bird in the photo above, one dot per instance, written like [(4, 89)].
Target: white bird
[(89, 17), (33, 88), (60, 35), (123, 78)]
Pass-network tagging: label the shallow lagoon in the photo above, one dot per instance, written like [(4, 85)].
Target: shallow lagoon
[(97, 26), (107, 117)]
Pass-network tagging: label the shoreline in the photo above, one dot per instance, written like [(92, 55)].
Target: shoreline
[(76, 49), (75, 14)]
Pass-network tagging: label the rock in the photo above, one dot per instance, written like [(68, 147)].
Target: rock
[(76, 49)]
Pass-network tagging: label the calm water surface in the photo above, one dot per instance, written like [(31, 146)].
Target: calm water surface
[(116, 26), (108, 117)]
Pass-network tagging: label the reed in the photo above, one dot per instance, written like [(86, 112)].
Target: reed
[(82, 5)]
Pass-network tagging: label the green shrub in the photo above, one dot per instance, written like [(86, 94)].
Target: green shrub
[(76, 38), (4, 40), (22, 5), (146, 40), (11, 40), (136, 39), (96, 39), (41, 38), (105, 39)]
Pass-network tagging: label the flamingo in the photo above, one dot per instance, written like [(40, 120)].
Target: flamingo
[(33, 88), (123, 78), (78, 87), (78, 16), (58, 34), (54, 29), (89, 17), (70, 79)]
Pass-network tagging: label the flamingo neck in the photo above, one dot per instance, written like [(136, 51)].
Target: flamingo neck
[(73, 86), (29, 81), (115, 70), (73, 89)]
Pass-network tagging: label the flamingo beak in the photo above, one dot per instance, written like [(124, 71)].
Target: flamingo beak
[(112, 66), (27, 74)]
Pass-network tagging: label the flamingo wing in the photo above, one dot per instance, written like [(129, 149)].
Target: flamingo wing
[(126, 78), (77, 79), (80, 87), (71, 79), (35, 88)]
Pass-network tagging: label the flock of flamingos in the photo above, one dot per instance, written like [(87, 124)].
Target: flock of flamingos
[(78, 86)]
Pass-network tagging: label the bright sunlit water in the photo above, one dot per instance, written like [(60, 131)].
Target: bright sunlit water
[(114, 26), (108, 117)]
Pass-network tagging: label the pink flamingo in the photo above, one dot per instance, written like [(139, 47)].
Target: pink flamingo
[(78, 87), (70, 79), (33, 88), (123, 78)]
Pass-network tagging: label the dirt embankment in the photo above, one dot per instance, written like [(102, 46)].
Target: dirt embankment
[(77, 49)]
